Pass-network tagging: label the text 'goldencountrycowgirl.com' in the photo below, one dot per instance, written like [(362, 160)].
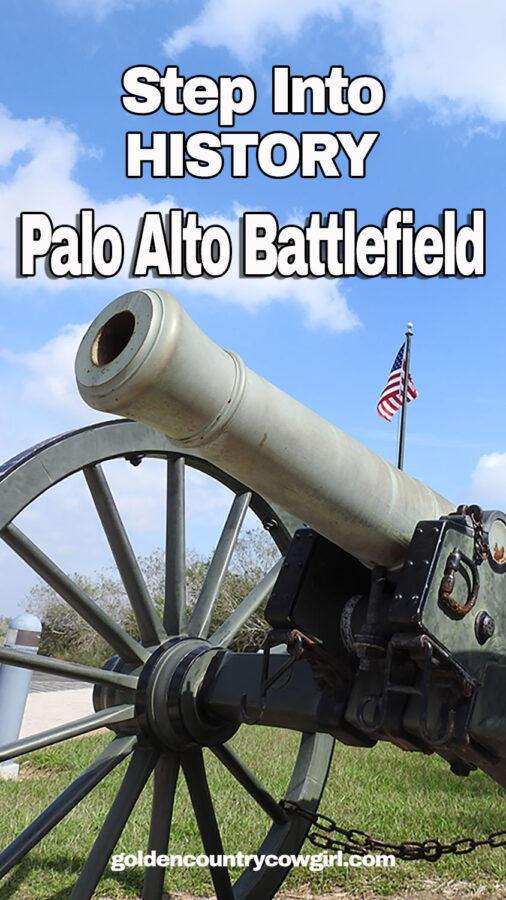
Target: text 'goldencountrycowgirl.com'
[(316, 862)]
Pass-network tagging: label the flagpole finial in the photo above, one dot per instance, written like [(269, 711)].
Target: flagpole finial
[(410, 327)]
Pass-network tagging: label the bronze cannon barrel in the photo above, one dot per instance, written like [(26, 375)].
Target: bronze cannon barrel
[(143, 357)]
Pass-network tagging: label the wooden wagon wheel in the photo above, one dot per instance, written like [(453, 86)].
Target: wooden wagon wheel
[(148, 693)]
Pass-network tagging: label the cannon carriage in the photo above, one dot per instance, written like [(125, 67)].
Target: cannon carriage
[(388, 600)]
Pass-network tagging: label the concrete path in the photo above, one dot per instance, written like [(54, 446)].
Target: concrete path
[(45, 709)]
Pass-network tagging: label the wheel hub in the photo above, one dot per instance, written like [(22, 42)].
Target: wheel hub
[(168, 700)]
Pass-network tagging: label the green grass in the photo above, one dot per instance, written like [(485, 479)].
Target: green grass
[(383, 791)]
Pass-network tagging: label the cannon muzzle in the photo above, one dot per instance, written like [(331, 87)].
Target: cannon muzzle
[(143, 357)]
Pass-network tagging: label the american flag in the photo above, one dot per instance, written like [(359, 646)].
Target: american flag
[(391, 398)]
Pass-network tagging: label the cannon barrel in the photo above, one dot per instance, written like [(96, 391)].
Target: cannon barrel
[(144, 358)]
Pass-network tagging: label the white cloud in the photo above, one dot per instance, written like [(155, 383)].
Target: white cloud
[(38, 393), (488, 480), (248, 29), (49, 372), (40, 157), (98, 9), (448, 54)]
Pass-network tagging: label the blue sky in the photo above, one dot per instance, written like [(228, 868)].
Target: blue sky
[(330, 343)]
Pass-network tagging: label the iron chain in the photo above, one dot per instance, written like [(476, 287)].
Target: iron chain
[(475, 513), (353, 841), (481, 550)]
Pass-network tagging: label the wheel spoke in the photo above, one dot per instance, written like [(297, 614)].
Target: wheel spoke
[(175, 551), (74, 671), (139, 769), (164, 788), (226, 633), (90, 611), (195, 774), (250, 782), (150, 627), (201, 615), (112, 716), (113, 754)]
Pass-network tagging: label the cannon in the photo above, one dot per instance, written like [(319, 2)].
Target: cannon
[(385, 616)]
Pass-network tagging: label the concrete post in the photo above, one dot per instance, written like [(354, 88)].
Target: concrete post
[(24, 634)]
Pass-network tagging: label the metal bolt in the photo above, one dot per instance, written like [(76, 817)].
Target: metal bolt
[(484, 627), (135, 459)]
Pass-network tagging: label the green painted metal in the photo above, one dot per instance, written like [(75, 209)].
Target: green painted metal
[(123, 643), (196, 779), (118, 715), (164, 789), (139, 769), (74, 671), (200, 618), (456, 633), (170, 375), (150, 627), (111, 756), (227, 755), (226, 633), (175, 552)]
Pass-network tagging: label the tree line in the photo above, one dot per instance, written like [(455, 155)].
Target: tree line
[(67, 636)]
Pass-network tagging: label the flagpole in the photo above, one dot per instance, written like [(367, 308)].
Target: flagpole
[(402, 431)]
